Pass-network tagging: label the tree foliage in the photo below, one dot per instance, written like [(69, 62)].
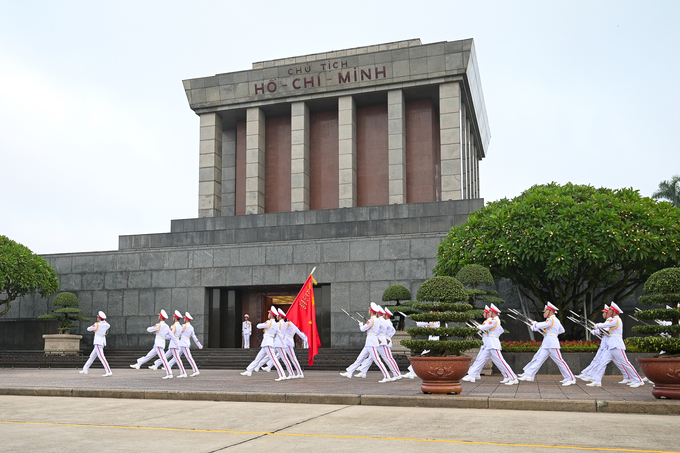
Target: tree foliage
[(442, 299), (68, 313), (558, 243), (475, 275), (398, 294), (669, 190), (22, 272)]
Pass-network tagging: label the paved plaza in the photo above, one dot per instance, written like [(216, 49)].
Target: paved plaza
[(328, 387)]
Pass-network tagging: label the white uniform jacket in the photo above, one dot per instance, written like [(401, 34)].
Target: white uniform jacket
[(186, 334), (290, 330), (175, 331), (493, 328), (614, 326), (382, 331), (433, 324), (247, 328), (372, 327), (162, 332), (99, 328), (269, 327), (389, 332), (552, 328)]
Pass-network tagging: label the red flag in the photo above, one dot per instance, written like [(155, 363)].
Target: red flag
[(303, 314)]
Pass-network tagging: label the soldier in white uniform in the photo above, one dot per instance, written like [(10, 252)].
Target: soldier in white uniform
[(246, 331), (173, 351), (162, 331), (267, 347), (371, 328), (99, 328), (385, 334), (615, 349), (491, 349), (289, 330), (587, 371), (186, 333), (550, 347)]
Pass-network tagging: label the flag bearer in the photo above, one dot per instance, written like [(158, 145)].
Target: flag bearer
[(267, 347)]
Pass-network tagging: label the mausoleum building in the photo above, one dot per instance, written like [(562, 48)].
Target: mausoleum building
[(356, 162)]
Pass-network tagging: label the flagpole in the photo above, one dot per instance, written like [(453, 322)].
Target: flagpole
[(311, 273)]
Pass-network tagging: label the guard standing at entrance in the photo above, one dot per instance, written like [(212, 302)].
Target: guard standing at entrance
[(246, 330)]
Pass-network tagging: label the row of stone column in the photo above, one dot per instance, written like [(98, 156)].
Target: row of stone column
[(217, 172)]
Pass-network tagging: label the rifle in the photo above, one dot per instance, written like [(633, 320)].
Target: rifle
[(352, 317), (585, 322), (521, 317), (360, 315)]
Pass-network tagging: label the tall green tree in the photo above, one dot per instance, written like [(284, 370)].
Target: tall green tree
[(22, 272), (669, 190), (558, 243)]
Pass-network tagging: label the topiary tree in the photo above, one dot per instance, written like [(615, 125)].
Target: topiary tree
[(68, 313), (474, 275), (442, 299), (662, 288), (560, 243), (22, 272), (399, 293)]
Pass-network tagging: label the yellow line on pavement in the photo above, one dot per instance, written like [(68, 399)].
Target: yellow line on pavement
[(334, 436)]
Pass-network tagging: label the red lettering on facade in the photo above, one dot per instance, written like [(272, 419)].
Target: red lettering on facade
[(271, 86), (383, 72), (259, 88), (343, 64), (309, 82), (296, 84), (342, 79), (366, 74)]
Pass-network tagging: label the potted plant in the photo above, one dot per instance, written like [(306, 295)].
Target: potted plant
[(661, 288), (441, 299), (473, 276), (67, 314)]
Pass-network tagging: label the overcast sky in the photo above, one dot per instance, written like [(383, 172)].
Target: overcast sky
[(97, 138)]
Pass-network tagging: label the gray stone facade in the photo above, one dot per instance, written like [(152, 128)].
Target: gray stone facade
[(358, 252)]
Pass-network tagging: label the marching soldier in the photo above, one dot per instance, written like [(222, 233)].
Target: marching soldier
[(99, 328), (162, 331), (550, 347), (491, 349), (173, 348), (385, 349), (587, 371), (371, 328), (267, 347), (186, 333), (246, 330), (615, 349), (289, 331)]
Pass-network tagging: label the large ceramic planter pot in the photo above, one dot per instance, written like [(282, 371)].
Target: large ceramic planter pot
[(665, 374), (62, 343), (441, 374)]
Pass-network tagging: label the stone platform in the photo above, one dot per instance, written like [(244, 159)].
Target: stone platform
[(328, 387)]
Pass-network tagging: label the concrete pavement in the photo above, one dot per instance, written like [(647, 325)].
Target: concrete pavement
[(328, 387)]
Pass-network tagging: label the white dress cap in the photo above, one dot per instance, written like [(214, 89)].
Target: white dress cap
[(388, 312), (494, 309), (375, 308), (551, 306), (163, 314), (615, 307), (188, 316), (282, 313), (178, 314), (101, 315), (274, 311)]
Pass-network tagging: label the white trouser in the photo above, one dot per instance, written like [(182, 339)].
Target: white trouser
[(386, 354), (156, 351), (246, 341), (280, 354), (176, 359), (187, 353), (168, 356), (621, 360), (372, 352), (266, 353), (541, 356), (497, 359), (290, 352), (596, 362), (97, 351)]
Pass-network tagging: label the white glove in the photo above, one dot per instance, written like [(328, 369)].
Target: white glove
[(595, 331), (533, 327)]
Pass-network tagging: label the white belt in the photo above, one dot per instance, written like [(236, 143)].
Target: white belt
[(550, 334), (371, 333), (290, 336), (615, 335), (494, 336), (269, 335), (99, 335)]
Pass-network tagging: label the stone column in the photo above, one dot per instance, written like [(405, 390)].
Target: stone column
[(210, 166), (229, 172), (254, 161), (299, 157), (396, 126), (449, 133), (347, 152)]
